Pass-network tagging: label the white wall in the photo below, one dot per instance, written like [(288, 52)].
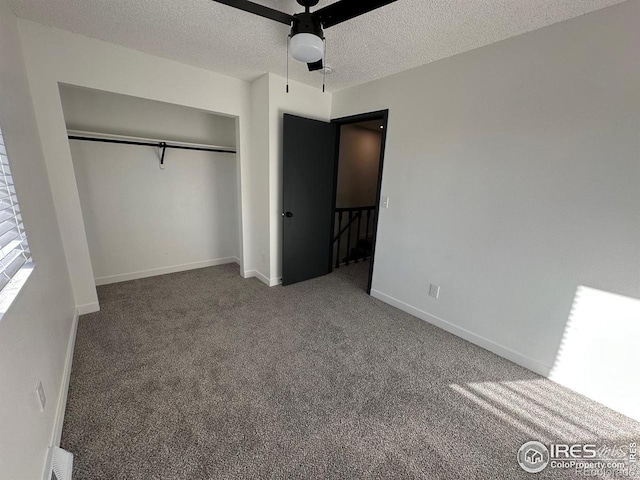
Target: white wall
[(140, 220), (358, 163), (513, 174), (260, 138), (35, 332), (53, 56), (105, 112)]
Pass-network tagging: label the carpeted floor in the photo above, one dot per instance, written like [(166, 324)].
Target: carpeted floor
[(205, 375)]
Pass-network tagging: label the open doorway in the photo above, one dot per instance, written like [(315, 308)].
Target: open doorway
[(358, 179), (310, 182)]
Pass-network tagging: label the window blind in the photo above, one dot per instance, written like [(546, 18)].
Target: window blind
[(14, 249)]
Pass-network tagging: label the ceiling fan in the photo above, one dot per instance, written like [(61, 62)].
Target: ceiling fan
[(307, 37)]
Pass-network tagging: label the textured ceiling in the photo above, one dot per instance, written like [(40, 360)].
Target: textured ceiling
[(400, 36)]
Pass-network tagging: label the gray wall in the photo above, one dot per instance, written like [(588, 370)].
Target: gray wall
[(513, 173), (35, 332)]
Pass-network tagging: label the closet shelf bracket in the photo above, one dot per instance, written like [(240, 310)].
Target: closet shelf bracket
[(163, 146)]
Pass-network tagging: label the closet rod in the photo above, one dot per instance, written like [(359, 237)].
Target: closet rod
[(162, 145)]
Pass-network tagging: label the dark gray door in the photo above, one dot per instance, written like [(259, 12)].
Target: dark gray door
[(308, 176)]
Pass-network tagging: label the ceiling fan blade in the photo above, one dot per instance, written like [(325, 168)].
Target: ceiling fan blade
[(346, 10), (315, 66), (261, 10)]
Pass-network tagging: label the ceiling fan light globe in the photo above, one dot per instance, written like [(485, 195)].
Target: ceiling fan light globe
[(306, 47)]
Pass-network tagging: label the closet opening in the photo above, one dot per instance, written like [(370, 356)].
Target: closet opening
[(158, 184)]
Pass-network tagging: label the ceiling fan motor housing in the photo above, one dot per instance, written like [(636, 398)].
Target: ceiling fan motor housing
[(307, 23), (308, 3)]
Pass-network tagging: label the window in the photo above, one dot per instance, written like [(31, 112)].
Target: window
[(15, 257)]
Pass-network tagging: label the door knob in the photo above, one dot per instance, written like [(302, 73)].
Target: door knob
[(287, 214)]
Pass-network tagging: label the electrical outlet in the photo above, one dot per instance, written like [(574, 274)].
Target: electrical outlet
[(434, 290), (41, 396)]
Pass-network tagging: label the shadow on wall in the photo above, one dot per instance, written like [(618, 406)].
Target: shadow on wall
[(598, 354)]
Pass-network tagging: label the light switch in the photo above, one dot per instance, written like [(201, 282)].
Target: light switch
[(385, 202)]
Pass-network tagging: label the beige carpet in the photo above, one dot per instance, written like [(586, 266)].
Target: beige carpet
[(205, 375)]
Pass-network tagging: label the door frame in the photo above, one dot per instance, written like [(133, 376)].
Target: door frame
[(382, 115)]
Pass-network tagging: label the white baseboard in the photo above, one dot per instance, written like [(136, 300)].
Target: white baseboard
[(164, 270), (270, 282), (516, 357), (88, 308), (62, 397)]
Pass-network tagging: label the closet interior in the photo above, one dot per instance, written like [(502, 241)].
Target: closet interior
[(158, 184)]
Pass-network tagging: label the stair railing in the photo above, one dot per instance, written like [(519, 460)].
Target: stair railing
[(355, 214)]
